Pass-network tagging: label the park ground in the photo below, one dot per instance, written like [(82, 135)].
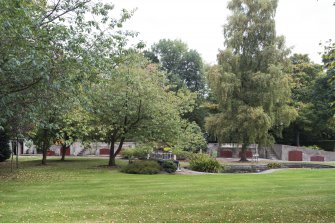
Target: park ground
[(85, 190)]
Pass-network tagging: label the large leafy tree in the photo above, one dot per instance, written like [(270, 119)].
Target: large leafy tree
[(49, 50), (184, 68), (133, 101), (251, 82), (22, 56), (313, 97), (329, 55), (305, 76)]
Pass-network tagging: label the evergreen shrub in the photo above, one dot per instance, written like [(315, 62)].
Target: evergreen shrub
[(142, 167), (204, 163)]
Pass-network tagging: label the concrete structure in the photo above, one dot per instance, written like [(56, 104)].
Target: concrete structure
[(76, 149), (293, 153), (231, 150), (96, 148), (276, 152)]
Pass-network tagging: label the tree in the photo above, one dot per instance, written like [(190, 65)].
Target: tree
[(134, 102), (49, 50), (4, 146), (328, 56), (33, 32), (72, 126), (305, 75), (185, 68), (251, 82), (190, 138)]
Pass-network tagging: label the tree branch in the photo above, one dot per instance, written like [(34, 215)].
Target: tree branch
[(51, 12), (65, 12), (22, 88)]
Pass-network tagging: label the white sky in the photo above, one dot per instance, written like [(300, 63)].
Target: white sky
[(199, 23)]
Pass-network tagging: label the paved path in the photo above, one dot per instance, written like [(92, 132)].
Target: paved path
[(184, 171)]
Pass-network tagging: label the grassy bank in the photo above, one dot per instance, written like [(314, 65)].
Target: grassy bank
[(82, 190)]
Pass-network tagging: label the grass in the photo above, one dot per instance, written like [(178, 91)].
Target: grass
[(82, 190)]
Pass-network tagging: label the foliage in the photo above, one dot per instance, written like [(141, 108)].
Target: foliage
[(166, 149), (50, 53), (127, 153), (140, 152), (183, 66), (168, 166), (191, 138), (5, 151), (142, 167), (251, 82), (329, 55), (181, 154), (273, 165), (314, 147), (204, 163), (133, 101), (305, 77)]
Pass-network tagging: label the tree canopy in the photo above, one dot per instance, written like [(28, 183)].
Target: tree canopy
[(133, 101), (184, 66), (251, 81)]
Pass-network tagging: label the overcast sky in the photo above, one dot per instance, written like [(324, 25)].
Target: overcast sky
[(199, 23)]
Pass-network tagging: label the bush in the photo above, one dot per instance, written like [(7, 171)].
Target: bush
[(127, 153), (274, 165), (138, 152), (192, 138), (5, 151), (142, 167), (204, 163), (314, 147), (181, 155), (169, 166)]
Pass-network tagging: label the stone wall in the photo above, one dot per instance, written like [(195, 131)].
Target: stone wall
[(94, 149), (278, 150), (284, 152)]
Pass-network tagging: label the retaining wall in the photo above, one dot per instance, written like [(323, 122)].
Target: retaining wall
[(290, 153)]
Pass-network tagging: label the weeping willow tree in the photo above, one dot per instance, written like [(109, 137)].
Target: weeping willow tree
[(250, 81)]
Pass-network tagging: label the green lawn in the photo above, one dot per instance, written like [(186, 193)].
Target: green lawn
[(81, 190)]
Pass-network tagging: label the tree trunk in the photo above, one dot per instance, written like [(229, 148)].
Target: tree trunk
[(111, 153), (63, 151), (114, 153), (45, 146), (44, 158), (243, 153), (298, 138)]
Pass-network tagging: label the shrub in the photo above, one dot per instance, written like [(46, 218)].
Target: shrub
[(166, 149), (142, 167), (191, 139), (5, 151), (127, 153), (169, 166), (181, 154), (273, 165), (138, 152), (204, 163), (314, 147)]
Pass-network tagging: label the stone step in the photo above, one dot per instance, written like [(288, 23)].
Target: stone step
[(81, 153), (272, 155)]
